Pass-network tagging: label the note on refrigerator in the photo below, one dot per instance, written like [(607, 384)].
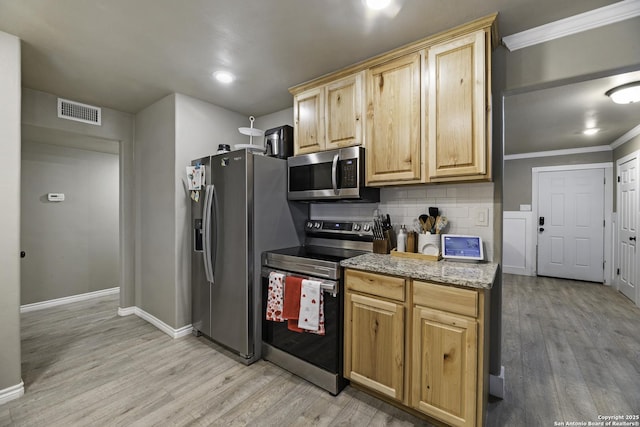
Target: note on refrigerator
[(195, 177)]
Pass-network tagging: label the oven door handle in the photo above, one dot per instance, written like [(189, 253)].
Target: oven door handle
[(334, 174), (329, 286)]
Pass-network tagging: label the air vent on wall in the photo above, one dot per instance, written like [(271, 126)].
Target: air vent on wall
[(84, 113)]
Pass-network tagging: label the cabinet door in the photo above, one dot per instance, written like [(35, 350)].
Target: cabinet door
[(343, 100), (457, 95), (444, 352), (308, 114), (393, 122), (374, 344)]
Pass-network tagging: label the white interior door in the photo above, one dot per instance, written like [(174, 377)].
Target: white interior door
[(571, 224), (627, 208)]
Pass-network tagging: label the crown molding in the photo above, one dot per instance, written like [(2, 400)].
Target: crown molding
[(625, 138), (606, 15), (553, 153)]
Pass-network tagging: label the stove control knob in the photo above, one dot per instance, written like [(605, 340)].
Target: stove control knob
[(309, 224), (356, 227), (316, 225), (366, 227)]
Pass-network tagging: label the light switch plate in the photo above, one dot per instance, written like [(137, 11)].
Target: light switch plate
[(482, 217)]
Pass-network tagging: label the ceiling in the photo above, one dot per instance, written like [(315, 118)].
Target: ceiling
[(554, 118), (127, 54)]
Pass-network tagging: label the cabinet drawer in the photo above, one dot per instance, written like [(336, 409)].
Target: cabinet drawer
[(446, 298), (375, 284)]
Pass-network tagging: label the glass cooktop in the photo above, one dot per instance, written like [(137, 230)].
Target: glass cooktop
[(319, 252)]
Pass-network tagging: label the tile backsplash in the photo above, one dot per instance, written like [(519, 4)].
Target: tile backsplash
[(464, 205)]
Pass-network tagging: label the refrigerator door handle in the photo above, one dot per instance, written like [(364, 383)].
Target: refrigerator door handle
[(206, 225), (214, 231)]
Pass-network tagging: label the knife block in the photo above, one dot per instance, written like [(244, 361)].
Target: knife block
[(381, 246), (384, 246)]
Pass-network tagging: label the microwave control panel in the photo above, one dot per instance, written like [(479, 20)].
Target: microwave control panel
[(349, 175)]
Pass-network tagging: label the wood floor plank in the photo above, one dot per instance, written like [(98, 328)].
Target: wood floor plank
[(570, 349)]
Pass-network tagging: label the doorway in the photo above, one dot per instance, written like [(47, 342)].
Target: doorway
[(69, 217), (627, 208), (571, 210)]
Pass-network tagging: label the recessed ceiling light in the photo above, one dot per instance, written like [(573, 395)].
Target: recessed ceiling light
[(378, 4), (223, 76), (625, 94), (591, 131)]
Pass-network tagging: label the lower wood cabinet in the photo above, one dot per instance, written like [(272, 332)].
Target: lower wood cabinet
[(419, 345), (376, 337), (444, 352)]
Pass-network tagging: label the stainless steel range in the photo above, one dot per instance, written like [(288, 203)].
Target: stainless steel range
[(316, 358)]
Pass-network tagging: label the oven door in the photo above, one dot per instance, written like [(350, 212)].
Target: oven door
[(324, 351)]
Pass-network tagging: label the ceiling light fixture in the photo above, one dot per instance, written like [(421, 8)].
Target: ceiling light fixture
[(625, 94), (591, 131), (378, 4), (223, 76)]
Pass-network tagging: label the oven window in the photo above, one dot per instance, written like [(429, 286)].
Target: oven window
[(323, 351)]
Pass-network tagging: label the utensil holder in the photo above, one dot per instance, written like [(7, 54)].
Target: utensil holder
[(429, 244)]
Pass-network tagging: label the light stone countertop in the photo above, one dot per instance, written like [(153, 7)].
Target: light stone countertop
[(471, 275)]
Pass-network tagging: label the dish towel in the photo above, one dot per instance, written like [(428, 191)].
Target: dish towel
[(310, 305), (291, 307), (320, 330), (275, 297)]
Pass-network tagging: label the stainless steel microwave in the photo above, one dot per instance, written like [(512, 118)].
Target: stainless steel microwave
[(335, 175)]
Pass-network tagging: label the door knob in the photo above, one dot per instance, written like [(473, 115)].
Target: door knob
[(633, 239), (541, 229)]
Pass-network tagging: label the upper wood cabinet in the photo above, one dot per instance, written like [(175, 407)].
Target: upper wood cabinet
[(394, 149), (458, 102), (308, 119), (329, 116), (344, 112), (427, 109)]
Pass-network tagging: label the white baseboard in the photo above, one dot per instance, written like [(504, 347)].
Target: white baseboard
[(127, 311), (496, 384), (67, 300), (172, 332), (11, 393)]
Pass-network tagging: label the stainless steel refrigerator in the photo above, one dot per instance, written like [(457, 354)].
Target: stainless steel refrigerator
[(241, 212)]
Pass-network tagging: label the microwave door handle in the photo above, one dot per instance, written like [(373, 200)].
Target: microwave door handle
[(334, 174)]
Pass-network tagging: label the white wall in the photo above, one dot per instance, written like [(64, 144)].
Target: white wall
[(169, 134), (10, 214), (39, 116), (155, 216), (460, 203), (72, 246), (199, 128)]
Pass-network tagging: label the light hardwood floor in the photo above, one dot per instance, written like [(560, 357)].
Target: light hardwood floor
[(571, 351)]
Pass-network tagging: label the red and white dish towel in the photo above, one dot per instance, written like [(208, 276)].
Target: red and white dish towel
[(275, 297), (311, 305), (298, 301)]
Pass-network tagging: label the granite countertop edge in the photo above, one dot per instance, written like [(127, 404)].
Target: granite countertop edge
[(471, 275)]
